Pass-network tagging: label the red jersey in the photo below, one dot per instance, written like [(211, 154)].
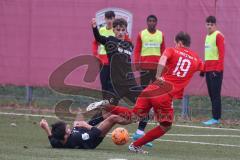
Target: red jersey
[(146, 62), (181, 64), (217, 65)]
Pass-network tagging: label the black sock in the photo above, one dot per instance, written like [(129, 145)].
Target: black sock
[(96, 119), (142, 125)]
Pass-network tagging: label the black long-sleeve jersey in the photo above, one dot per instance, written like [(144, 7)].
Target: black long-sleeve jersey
[(80, 138), (119, 55)]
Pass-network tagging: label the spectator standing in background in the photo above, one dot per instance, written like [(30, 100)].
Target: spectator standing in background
[(149, 47), (214, 65), (99, 51)]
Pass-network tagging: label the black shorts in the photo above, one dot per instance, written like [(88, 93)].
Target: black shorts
[(95, 138)]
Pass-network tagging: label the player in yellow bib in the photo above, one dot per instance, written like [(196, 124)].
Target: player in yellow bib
[(99, 52), (214, 65), (149, 47)]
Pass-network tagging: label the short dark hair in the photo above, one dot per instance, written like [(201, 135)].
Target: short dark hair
[(59, 130), (109, 14), (152, 16), (184, 38), (211, 19), (119, 22)]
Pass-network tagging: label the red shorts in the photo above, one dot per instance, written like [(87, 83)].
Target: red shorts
[(162, 106)]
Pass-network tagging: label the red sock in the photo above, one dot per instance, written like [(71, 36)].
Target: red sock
[(122, 111), (149, 136)]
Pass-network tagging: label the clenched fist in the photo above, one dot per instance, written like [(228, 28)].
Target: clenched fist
[(94, 23)]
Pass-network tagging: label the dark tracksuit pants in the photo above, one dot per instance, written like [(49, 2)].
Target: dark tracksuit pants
[(106, 80), (214, 85), (106, 84), (147, 77)]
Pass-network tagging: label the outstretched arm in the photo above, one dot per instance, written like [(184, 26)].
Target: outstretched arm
[(44, 125), (79, 121), (161, 66), (98, 37), (82, 124), (162, 62)]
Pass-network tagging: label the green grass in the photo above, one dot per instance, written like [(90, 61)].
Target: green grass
[(27, 141)]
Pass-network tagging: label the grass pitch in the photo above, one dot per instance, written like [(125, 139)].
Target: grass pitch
[(26, 141)]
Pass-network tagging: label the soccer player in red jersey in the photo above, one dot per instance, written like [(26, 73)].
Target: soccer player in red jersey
[(175, 69)]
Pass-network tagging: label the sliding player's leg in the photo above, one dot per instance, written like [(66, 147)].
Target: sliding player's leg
[(99, 117), (106, 125), (97, 134), (164, 115)]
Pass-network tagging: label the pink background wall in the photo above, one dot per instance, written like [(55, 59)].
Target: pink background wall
[(37, 36)]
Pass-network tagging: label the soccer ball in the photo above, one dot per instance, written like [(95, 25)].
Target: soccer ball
[(120, 136)]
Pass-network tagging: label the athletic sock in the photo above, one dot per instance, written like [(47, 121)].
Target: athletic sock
[(96, 119), (142, 125), (149, 136)]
